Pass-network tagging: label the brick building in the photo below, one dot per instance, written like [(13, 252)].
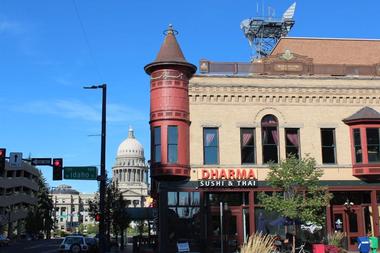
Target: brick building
[(219, 127)]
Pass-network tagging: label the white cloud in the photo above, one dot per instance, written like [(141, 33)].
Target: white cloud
[(9, 26), (75, 109)]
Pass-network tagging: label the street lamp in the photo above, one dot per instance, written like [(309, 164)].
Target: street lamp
[(348, 205), (102, 178)]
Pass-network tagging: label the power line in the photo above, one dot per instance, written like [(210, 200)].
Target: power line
[(97, 69)]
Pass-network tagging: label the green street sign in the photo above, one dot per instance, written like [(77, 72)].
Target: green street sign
[(80, 172)]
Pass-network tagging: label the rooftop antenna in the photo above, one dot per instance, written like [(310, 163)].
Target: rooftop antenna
[(264, 32)]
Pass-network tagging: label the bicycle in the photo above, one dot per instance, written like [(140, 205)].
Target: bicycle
[(300, 249)]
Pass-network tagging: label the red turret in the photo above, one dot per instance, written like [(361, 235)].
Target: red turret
[(169, 111)]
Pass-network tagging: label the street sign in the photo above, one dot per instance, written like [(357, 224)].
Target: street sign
[(15, 159), (80, 173), (41, 161)]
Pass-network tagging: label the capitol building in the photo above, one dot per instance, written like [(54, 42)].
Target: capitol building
[(130, 171)]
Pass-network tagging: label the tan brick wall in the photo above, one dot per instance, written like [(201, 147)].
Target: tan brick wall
[(310, 104)]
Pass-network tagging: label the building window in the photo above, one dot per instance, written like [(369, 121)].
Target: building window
[(172, 144), (373, 143), (184, 218), (328, 146), (157, 144), (210, 146), (269, 129), (292, 139), (247, 140), (358, 146)]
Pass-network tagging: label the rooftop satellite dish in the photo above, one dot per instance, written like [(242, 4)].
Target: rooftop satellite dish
[(263, 33)]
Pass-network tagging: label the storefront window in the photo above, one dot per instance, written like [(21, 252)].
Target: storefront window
[(172, 198), (230, 198), (183, 198), (184, 217), (356, 197), (210, 146), (195, 199), (269, 222)]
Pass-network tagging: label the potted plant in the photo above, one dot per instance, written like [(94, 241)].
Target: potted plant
[(334, 242)]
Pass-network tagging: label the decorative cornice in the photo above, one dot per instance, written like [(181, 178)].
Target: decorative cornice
[(283, 95)]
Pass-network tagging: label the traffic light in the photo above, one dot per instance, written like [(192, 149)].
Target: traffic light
[(97, 217), (57, 168), (2, 159)]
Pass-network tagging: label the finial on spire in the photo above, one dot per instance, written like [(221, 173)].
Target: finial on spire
[(131, 133), (170, 30)]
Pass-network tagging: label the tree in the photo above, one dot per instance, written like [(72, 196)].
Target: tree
[(39, 218), (299, 195), (119, 216), (115, 216)]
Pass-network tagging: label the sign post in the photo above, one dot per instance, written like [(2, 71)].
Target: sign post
[(15, 159), (41, 161)]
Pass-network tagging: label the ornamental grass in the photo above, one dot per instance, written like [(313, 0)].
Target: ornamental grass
[(335, 239), (258, 243)]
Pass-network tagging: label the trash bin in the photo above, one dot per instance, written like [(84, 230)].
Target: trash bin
[(374, 243), (318, 248), (363, 244)]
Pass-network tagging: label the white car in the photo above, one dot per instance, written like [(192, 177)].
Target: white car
[(73, 244)]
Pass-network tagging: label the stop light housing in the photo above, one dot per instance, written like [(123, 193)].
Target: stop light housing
[(97, 217), (2, 159), (57, 168)]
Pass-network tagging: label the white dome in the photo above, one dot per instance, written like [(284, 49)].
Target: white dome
[(130, 147)]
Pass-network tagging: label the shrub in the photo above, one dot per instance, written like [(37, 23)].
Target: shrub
[(258, 243)]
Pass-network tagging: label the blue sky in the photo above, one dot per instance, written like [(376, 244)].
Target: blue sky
[(46, 59)]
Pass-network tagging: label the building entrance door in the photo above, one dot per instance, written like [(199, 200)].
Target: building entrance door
[(350, 222), (232, 229)]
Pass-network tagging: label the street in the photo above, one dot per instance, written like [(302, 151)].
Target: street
[(38, 246)]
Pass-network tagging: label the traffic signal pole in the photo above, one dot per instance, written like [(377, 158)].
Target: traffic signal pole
[(103, 175), (102, 187)]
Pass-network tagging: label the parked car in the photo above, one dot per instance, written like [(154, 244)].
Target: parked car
[(4, 241), (73, 244)]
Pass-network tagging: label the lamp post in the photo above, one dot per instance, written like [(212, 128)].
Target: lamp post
[(102, 178)]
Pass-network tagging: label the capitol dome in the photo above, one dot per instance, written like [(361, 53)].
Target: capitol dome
[(130, 171), (130, 147)]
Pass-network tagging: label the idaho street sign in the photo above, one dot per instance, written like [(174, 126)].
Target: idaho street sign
[(80, 172)]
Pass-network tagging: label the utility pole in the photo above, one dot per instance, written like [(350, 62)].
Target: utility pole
[(103, 176)]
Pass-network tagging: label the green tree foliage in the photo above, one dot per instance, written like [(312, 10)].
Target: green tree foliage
[(39, 218), (298, 195), (92, 229), (115, 216)]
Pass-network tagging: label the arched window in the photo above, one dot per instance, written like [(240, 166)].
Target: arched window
[(269, 130)]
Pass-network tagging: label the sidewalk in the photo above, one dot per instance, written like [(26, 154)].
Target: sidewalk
[(128, 249)]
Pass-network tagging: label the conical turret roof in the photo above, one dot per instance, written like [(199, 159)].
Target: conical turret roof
[(170, 54), (170, 49)]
